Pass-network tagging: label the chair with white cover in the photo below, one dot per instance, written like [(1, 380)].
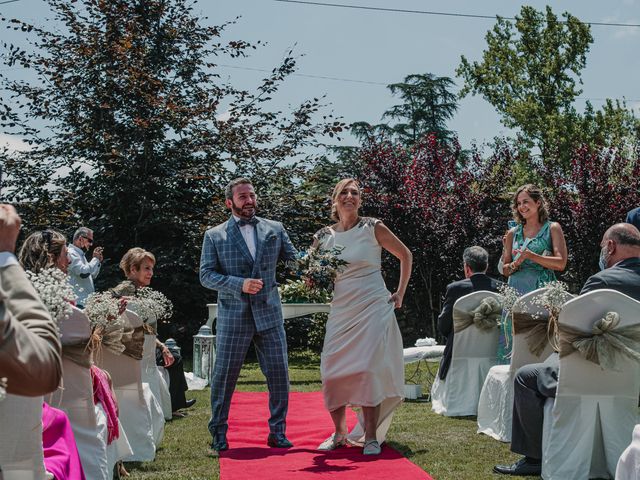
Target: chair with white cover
[(88, 420), (152, 374), (629, 464), (589, 424), (21, 455), (495, 406), (134, 397), (474, 353)]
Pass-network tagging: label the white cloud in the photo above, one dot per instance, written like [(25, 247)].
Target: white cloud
[(13, 142), (224, 117)]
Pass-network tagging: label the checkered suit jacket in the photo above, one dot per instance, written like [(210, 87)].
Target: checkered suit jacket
[(226, 262)]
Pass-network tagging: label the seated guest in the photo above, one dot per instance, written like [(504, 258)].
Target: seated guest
[(137, 265), (29, 345), (475, 261), (533, 384), (633, 217)]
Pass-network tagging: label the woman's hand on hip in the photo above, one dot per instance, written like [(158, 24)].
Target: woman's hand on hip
[(396, 299)]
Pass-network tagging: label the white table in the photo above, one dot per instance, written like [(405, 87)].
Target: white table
[(431, 355), (289, 310)]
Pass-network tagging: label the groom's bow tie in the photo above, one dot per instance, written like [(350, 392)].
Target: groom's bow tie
[(252, 221)]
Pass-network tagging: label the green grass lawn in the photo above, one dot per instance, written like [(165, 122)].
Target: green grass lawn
[(447, 448)]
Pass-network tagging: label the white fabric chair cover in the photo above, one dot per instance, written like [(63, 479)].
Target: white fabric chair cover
[(88, 421), (589, 424), (120, 448), (474, 353), (629, 464), (134, 399), (154, 384), (21, 456), (495, 406), (152, 375)]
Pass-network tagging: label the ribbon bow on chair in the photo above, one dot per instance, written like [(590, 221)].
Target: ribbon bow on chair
[(604, 343), (485, 316)]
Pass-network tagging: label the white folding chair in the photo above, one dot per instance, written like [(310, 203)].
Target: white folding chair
[(474, 353), (495, 406), (133, 397), (21, 456), (590, 422), (88, 421), (629, 464), (152, 375)]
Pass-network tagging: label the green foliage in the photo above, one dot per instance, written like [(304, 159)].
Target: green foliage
[(128, 101), (427, 105), (531, 71)]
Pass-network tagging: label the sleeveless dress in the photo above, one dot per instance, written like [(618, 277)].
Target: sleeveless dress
[(529, 277), (362, 362)]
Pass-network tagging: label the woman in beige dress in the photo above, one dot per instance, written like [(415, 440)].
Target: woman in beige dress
[(362, 363)]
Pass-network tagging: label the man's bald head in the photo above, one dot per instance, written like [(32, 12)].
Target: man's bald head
[(619, 242)]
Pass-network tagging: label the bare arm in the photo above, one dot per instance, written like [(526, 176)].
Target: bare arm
[(558, 261), (507, 254), (394, 245)]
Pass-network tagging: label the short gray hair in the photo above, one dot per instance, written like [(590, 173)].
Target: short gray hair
[(476, 258), (228, 191), (81, 232)]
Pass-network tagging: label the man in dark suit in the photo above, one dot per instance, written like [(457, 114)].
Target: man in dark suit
[(533, 384), (475, 261), (633, 217)]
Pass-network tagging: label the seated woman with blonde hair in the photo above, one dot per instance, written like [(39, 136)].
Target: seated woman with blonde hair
[(137, 265)]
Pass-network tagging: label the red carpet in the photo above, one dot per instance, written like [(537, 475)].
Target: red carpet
[(308, 424)]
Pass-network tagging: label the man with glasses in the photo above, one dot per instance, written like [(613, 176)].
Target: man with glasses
[(81, 271)]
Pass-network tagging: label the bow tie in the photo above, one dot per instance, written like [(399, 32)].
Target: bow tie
[(252, 221)]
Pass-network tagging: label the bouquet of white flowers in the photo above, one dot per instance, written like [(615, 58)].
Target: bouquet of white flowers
[(150, 302), (53, 287), (509, 297), (552, 300), (103, 308)]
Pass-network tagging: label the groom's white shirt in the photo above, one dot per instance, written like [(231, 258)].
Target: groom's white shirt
[(249, 235)]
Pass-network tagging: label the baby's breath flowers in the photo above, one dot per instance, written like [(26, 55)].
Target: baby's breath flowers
[(53, 287), (102, 308), (149, 303)]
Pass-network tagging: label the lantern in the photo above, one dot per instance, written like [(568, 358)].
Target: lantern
[(204, 352)]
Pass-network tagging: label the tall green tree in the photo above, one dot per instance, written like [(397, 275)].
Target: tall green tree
[(531, 73), (124, 119), (427, 105)]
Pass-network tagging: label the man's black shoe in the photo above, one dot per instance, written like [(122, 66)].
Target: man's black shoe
[(278, 440), (218, 445), (190, 403), (524, 467)]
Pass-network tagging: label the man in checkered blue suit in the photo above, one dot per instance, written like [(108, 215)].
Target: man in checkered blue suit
[(239, 260)]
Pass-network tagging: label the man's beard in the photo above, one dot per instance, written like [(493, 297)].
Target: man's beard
[(239, 212)]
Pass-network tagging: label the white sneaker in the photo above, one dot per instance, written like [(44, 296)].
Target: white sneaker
[(334, 441)]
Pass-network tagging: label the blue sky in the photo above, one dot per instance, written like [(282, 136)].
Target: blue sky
[(383, 47)]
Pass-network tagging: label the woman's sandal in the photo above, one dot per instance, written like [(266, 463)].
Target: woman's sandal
[(334, 441), (371, 447)]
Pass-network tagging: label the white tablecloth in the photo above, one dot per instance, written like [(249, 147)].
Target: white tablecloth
[(430, 354)]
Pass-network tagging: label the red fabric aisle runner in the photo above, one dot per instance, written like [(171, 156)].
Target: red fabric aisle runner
[(308, 424)]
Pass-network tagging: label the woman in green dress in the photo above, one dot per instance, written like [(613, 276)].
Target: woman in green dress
[(533, 251)]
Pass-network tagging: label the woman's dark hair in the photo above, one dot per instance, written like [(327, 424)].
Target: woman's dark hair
[(537, 196)]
